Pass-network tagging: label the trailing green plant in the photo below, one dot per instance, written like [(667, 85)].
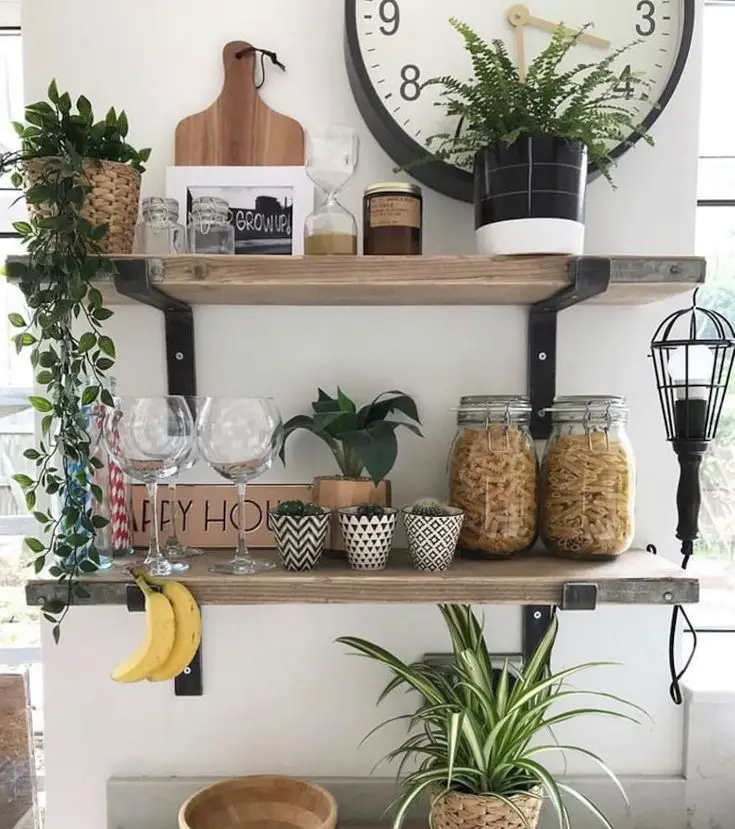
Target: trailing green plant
[(55, 128), (69, 352), (370, 511), (430, 508), (585, 103), (361, 441), (297, 509), (476, 730)]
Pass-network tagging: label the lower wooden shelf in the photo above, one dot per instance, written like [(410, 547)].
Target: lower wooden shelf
[(637, 577)]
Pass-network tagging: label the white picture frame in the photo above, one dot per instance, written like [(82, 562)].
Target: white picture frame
[(256, 231)]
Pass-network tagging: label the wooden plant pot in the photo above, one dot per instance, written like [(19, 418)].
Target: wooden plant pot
[(470, 811), (337, 492)]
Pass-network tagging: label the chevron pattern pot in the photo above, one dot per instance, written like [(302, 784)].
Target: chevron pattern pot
[(368, 539), (300, 541), (432, 540)]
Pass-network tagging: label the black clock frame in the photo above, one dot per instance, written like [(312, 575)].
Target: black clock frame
[(443, 177)]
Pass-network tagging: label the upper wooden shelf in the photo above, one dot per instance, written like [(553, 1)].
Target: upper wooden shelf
[(399, 280), (636, 577)]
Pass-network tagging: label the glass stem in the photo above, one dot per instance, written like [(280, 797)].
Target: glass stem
[(173, 539), (155, 550), (241, 552)]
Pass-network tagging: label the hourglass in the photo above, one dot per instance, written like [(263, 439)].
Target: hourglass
[(331, 160)]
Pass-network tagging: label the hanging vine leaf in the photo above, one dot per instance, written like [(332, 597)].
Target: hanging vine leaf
[(62, 331)]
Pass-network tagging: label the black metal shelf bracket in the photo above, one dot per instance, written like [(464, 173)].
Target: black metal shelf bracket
[(135, 279), (589, 277), (536, 618)]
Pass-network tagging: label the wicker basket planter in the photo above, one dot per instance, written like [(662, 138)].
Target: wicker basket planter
[(113, 200), (470, 811), (266, 800)]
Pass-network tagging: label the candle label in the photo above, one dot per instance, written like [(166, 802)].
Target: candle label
[(395, 211)]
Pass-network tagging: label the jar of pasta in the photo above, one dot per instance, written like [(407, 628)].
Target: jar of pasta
[(494, 475), (588, 479)]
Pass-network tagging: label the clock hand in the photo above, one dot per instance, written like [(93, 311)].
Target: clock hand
[(519, 16), (521, 47)]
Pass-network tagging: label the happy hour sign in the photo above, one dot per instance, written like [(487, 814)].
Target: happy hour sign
[(208, 514)]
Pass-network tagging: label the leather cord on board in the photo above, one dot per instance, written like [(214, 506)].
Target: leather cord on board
[(264, 53)]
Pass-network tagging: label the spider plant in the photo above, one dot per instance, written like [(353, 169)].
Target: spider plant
[(475, 731)]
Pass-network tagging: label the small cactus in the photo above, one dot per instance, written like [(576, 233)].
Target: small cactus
[(370, 511), (297, 509), (429, 508)]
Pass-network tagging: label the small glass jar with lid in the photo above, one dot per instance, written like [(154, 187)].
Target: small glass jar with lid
[(210, 229), (588, 479), (159, 232), (494, 475)]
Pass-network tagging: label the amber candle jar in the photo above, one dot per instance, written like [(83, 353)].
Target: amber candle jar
[(392, 219)]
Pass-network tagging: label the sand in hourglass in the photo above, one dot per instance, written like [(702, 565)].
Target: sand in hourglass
[(328, 242)]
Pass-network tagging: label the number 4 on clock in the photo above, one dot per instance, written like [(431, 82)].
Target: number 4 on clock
[(625, 84)]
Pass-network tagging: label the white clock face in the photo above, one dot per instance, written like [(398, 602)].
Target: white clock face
[(403, 43)]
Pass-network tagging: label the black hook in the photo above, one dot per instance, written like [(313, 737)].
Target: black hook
[(264, 53)]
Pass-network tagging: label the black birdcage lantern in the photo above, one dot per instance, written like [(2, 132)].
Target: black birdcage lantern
[(693, 352)]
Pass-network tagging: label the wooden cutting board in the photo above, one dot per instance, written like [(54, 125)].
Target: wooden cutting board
[(239, 129)]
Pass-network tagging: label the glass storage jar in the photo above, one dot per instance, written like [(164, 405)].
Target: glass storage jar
[(210, 229), (159, 232), (588, 479), (494, 475)]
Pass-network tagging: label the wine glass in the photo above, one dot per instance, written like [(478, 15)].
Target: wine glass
[(239, 438), (331, 161), (175, 550), (149, 437)]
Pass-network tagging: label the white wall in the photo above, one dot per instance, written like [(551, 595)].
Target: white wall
[(278, 694)]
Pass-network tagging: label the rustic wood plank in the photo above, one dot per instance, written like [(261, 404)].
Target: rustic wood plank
[(402, 280), (17, 771), (406, 280), (635, 578)]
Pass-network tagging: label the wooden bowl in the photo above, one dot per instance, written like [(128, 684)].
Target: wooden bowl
[(265, 802)]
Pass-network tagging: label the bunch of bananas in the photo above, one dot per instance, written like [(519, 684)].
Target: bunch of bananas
[(173, 633)]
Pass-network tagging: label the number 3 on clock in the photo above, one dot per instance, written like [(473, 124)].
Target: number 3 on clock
[(647, 25)]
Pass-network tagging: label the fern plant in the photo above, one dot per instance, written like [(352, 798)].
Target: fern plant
[(589, 102)]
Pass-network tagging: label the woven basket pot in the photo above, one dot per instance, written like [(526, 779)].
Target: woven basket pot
[(255, 802), (470, 811), (113, 200)]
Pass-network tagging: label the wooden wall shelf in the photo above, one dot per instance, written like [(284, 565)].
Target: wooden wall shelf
[(398, 280), (635, 578)]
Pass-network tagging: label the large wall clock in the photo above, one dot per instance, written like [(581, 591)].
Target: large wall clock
[(392, 46)]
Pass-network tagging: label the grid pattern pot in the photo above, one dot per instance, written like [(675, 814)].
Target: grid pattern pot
[(368, 539), (300, 541), (113, 200), (470, 811), (432, 540)]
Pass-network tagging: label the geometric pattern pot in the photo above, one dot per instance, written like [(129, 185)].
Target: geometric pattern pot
[(300, 541), (432, 540), (368, 539), (456, 810)]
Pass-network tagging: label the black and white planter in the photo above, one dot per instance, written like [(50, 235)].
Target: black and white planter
[(432, 540), (530, 197), (368, 539), (300, 541)]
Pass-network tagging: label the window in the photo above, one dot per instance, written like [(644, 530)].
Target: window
[(714, 561)]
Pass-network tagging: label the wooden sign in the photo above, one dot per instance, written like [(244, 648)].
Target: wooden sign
[(208, 514)]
